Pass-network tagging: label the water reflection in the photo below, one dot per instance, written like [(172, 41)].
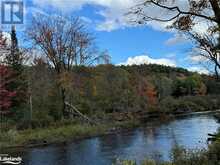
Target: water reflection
[(150, 141)]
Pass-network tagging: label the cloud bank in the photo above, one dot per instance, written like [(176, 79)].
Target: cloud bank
[(145, 59), (198, 69), (112, 11)]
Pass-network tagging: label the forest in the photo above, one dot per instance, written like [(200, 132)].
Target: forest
[(33, 95)]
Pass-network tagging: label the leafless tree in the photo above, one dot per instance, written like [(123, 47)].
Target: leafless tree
[(206, 44), (66, 44), (184, 20)]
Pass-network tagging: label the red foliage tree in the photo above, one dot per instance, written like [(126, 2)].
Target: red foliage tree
[(147, 90), (6, 95), (151, 94)]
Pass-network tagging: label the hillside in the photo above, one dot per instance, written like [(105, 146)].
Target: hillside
[(108, 88)]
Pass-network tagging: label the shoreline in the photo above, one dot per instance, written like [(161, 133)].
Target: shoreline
[(96, 131)]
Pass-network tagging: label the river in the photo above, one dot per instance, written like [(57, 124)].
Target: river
[(151, 141)]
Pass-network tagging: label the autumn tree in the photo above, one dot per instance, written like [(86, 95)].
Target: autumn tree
[(6, 94), (151, 93), (184, 16), (66, 44), (15, 59)]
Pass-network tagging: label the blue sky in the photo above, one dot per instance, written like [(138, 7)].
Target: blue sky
[(128, 42), (107, 21)]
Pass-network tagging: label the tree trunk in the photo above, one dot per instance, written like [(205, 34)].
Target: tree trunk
[(216, 10), (216, 73), (63, 95), (80, 114)]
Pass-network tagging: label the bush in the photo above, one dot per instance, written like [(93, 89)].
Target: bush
[(168, 105), (149, 162), (35, 123), (8, 136), (189, 103), (181, 156), (213, 153)]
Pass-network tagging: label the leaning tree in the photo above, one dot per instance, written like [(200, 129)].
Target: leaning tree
[(66, 44), (189, 17)]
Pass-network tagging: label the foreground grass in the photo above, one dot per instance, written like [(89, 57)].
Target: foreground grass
[(56, 134), (181, 156)]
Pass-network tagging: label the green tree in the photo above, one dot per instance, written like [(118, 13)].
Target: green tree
[(163, 86), (191, 85), (113, 89), (15, 60)]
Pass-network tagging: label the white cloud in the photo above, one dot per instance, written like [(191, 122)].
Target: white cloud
[(64, 5), (115, 15), (86, 19), (67, 5), (145, 59), (7, 37), (196, 59), (176, 39), (5, 49), (171, 55), (35, 11), (113, 12), (197, 56), (198, 69)]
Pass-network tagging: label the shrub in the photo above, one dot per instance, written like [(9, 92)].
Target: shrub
[(189, 103), (8, 136), (35, 123), (181, 156)]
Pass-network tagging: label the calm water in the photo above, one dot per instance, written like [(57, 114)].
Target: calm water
[(153, 141)]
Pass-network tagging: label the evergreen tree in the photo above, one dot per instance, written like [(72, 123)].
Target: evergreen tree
[(14, 58), (15, 61)]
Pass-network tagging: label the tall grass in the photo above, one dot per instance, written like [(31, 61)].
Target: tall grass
[(181, 156)]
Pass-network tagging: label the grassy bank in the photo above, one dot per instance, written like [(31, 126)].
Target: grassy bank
[(69, 130), (57, 134)]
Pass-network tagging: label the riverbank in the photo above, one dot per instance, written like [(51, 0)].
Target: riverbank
[(44, 136), (63, 133)]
